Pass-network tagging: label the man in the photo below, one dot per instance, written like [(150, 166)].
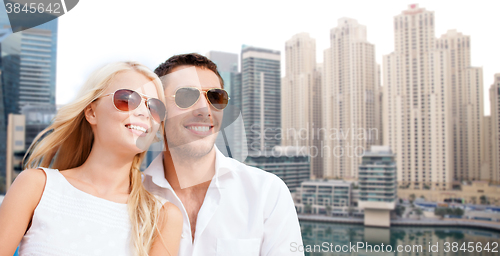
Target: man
[(229, 208)]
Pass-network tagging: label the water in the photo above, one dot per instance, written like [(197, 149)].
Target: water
[(328, 239)]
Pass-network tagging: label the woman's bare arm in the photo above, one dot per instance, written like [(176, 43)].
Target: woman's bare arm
[(167, 243), (17, 208)]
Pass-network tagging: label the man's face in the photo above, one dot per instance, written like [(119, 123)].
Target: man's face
[(191, 131)]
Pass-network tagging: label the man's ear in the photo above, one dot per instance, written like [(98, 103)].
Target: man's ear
[(90, 115)]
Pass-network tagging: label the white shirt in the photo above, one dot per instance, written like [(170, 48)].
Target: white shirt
[(246, 211)]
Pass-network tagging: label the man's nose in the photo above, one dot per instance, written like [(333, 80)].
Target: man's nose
[(202, 107)]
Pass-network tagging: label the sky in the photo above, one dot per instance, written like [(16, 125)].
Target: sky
[(97, 32)]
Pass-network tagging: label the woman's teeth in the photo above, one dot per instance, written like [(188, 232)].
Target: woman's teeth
[(135, 127)]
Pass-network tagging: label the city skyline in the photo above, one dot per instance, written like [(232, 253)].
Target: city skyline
[(150, 34)]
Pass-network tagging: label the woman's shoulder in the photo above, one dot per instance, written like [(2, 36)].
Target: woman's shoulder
[(171, 212), (32, 177), (28, 187)]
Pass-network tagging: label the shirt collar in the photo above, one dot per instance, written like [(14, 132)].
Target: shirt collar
[(223, 166), (155, 170)]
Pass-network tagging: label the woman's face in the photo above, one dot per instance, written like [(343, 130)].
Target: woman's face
[(124, 130)]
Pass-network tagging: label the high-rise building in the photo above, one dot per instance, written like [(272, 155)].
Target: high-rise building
[(434, 104), (317, 170), (4, 33), (29, 58), (230, 139), (417, 105), (261, 106), (379, 100), (350, 94), (301, 98), (495, 129), (487, 151), (296, 89), (466, 85), (227, 64), (28, 67)]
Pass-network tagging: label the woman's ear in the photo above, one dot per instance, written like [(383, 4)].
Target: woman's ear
[(90, 115)]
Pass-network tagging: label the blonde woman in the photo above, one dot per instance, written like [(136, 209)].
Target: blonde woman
[(91, 201)]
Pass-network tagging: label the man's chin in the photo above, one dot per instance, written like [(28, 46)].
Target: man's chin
[(195, 149)]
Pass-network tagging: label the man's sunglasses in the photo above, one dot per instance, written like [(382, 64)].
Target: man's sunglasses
[(186, 97), (129, 100)]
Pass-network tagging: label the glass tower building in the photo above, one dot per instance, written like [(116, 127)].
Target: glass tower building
[(261, 106), (28, 61)]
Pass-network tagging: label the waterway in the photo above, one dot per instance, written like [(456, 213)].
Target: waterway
[(340, 239)]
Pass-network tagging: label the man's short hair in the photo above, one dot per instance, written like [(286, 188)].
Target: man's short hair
[(188, 59)]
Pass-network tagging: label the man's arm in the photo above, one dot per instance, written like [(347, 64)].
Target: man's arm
[(281, 226)]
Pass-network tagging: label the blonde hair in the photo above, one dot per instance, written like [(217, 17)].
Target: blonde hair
[(67, 143)]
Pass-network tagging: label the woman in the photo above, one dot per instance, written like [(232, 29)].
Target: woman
[(93, 202)]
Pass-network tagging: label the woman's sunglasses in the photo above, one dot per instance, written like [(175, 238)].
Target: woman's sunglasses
[(186, 97), (128, 100)]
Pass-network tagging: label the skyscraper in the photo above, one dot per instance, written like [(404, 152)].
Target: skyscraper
[(418, 101), (350, 94), (317, 169), (487, 151), (4, 33), (28, 71), (297, 86), (495, 129), (29, 60), (301, 98), (466, 84), (261, 104), (227, 65)]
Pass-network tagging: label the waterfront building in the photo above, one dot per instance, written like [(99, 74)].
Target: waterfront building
[(377, 175), (261, 106), (377, 185), (289, 163), (326, 197), (470, 193), (350, 92), (417, 120)]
